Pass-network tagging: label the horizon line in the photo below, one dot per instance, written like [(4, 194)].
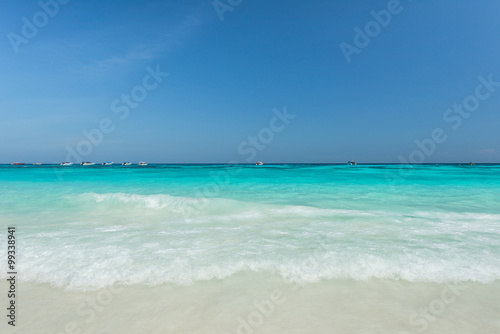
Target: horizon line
[(253, 163)]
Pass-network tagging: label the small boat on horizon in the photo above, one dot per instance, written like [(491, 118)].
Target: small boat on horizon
[(107, 163), (37, 163), (17, 163), (87, 163), (352, 163), (259, 163), (142, 163), (66, 163), (126, 164)]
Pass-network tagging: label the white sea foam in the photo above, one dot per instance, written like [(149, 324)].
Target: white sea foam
[(140, 239), (76, 267), (154, 202), (299, 243)]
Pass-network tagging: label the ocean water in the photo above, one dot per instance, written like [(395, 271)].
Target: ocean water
[(254, 249)]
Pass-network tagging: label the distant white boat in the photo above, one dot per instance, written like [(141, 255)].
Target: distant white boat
[(352, 163), (259, 163), (142, 163), (37, 163), (126, 164), (107, 163), (86, 163), (66, 163)]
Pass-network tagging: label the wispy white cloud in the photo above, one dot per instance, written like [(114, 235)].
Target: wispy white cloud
[(170, 41)]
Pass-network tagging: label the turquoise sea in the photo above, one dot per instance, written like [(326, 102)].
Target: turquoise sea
[(289, 248)]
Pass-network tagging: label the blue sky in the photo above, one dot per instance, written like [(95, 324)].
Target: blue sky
[(225, 78)]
